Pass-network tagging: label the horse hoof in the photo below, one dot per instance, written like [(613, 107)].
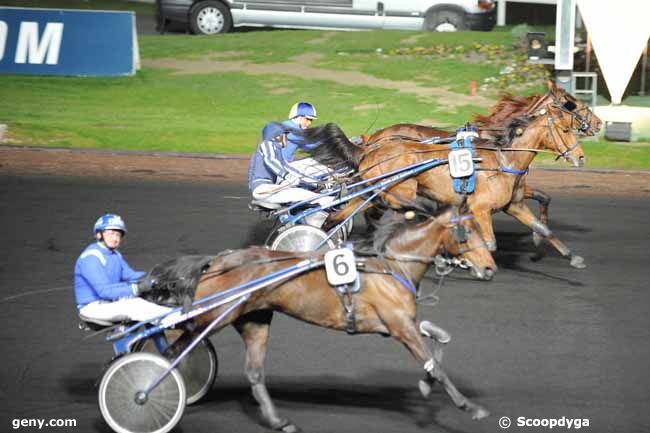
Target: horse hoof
[(290, 428), (286, 426), (537, 239), (479, 412), (425, 388), (578, 262)]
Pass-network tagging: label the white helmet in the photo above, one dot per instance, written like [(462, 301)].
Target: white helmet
[(302, 109)]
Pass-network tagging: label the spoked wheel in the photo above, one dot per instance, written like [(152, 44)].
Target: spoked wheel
[(125, 407), (199, 368), (301, 238)]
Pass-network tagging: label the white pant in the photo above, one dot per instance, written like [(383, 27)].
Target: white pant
[(132, 308), (285, 192)]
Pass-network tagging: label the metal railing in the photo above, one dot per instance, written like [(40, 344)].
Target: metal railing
[(591, 81)]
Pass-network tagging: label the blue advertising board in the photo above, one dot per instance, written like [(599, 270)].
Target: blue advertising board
[(67, 42)]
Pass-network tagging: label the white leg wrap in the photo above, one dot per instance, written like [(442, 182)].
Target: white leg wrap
[(430, 365)]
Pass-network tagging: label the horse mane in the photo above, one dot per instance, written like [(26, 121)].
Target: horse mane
[(177, 278), (506, 108), (335, 148), (513, 130), (392, 224)]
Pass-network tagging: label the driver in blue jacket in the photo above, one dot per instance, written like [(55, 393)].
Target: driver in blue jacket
[(106, 288)]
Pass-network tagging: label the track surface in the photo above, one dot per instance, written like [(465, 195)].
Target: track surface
[(540, 341)]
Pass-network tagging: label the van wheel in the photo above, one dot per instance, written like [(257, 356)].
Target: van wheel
[(210, 18), (444, 20)]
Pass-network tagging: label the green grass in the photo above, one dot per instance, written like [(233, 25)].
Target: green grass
[(187, 113), (605, 154), (224, 112), (112, 5)]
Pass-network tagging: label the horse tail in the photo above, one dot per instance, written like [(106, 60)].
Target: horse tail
[(335, 148), (177, 279)]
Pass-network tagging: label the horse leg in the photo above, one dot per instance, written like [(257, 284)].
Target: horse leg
[(439, 336), (524, 215), (336, 217), (484, 220), (544, 201), (254, 330), (404, 330)]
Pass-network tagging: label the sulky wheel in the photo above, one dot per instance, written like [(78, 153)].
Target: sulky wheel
[(301, 238), (199, 368), (125, 407)]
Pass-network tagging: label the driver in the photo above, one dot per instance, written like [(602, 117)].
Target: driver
[(105, 286), (272, 179)]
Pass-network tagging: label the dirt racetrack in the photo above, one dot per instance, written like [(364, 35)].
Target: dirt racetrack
[(211, 168), (541, 341)]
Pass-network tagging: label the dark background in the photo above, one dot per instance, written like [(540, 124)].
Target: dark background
[(542, 340)]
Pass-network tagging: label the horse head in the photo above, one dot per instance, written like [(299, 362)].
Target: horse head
[(583, 119), (550, 125), (462, 238)]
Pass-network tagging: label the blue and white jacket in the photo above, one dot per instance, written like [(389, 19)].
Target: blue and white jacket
[(294, 142), (102, 274), (269, 166)]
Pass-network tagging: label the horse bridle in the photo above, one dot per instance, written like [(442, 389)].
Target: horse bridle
[(568, 148), (583, 121), (536, 111), (442, 264)]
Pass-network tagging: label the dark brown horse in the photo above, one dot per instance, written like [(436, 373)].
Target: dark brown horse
[(383, 305), (545, 126), (492, 127)]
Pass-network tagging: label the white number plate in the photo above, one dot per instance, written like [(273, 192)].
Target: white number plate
[(460, 163), (340, 266)]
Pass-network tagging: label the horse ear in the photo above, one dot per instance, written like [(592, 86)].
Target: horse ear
[(551, 86)]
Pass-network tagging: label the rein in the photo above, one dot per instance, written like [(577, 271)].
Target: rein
[(218, 272)]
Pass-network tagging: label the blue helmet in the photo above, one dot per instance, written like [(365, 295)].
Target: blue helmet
[(109, 222), (302, 109)]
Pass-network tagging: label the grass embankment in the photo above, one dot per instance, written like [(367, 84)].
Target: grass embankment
[(223, 110)]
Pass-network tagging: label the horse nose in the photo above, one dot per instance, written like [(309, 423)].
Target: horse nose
[(485, 274)]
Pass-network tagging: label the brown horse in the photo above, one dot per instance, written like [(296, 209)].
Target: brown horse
[(492, 127), (384, 304), (544, 126)]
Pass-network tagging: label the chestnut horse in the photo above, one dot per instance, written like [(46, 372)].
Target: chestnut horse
[(499, 177), (385, 303), (492, 127)]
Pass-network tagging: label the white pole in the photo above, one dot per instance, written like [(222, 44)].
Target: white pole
[(501, 13)]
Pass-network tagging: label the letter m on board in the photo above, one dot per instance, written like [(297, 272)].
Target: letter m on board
[(34, 50)]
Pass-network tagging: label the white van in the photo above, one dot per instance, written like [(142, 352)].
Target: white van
[(219, 16)]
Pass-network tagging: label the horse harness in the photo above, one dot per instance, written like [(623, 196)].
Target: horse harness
[(443, 266)]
